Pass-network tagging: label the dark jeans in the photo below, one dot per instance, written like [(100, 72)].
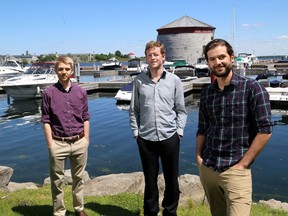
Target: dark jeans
[(168, 152)]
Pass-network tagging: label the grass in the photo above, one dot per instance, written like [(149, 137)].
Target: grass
[(38, 203)]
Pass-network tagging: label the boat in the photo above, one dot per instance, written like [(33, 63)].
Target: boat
[(276, 84), (245, 59), (124, 94), (31, 83), (111, 64), (168, 65), (185, 72), (201, 68), (11, 68), (136, 65)]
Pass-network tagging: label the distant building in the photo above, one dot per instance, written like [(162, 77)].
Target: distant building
[(20, 58), (185, 38), (131, 55)]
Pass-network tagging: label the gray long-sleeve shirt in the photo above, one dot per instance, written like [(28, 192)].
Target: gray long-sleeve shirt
[(157, 110)]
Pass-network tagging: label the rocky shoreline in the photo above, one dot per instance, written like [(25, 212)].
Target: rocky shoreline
[(190, 186)]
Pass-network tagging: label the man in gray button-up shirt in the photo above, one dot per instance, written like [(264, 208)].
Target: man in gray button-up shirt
[(157, 120)]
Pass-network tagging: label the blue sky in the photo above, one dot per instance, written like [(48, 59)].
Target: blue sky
[(91, 26)]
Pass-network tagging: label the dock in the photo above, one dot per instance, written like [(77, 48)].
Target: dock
[(113, 86)]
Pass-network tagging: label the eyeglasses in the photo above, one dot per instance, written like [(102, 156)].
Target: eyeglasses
[(62, 69)]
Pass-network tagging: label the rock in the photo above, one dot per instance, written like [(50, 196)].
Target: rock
[(13, 186), (115, 184), (67, 178), (5, 175), (275, 204), (190, 186)]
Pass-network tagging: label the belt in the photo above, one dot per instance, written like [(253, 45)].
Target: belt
[(69, 139)]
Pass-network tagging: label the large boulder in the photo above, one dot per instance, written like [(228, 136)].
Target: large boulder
[(275, 204), (114, 184), (190, 186), (5, 175)]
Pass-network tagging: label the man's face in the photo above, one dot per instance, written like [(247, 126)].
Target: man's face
[(219, 61), (64, 72), (154, 58)]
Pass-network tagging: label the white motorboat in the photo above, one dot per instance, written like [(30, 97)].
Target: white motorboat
[(201, 68), (11, 68), (278, 94), (276, 85), (111, 64), (31, 84), (124, 94), (136, 65), (245, 59)]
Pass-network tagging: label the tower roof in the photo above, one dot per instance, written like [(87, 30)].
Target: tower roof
[(186, 21)]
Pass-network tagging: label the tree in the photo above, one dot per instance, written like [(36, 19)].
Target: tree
[(118, 53)]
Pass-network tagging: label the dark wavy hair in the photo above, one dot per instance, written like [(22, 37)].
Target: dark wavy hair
[(218, 42)]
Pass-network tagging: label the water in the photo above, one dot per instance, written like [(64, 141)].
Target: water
[(113, 150)]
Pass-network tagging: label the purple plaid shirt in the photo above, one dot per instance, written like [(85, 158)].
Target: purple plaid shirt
[(230, 120), (64, 110)]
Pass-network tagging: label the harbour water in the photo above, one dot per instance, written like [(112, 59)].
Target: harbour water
[(113, 150)]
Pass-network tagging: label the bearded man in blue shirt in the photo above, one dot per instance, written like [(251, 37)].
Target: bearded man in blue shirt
[(157, 120), (234, 126)]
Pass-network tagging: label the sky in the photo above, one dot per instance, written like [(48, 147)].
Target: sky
[(92, 26)]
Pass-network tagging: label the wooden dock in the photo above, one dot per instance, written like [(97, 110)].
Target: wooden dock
[(113, 86)]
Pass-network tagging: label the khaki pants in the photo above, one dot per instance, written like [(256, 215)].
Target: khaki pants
[(59, 152), (229, 193)]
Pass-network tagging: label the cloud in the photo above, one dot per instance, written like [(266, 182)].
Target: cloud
[(284, 37), (247, 25)]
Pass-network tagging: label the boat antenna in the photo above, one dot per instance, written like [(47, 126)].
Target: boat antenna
[(233, 27)]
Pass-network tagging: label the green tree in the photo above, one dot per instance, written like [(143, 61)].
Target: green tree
[(118, 54), (51, 57)]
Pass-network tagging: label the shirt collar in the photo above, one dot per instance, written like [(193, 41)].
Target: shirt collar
[(163, 75), (60, 87), (234, 80)]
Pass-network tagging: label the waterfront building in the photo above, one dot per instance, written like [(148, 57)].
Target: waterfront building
[(185, 38)]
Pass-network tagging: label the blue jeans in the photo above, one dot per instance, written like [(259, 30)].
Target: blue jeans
[(168, 152)]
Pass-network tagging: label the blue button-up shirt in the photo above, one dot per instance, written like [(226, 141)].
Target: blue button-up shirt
[(157, 109), (230, 119), (64, 110)]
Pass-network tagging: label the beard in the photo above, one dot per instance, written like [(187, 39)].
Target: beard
[(227, 70)]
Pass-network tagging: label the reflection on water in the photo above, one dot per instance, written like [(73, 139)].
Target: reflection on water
[(18, 109), (279, 114)]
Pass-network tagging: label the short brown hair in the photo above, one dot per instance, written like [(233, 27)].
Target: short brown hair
[(65, 60), (151, 44)]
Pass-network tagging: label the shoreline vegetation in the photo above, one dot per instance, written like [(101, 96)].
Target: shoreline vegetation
[(111, 195), (38, 202)]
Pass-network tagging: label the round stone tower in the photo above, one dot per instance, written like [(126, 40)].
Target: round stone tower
[(185, 38)]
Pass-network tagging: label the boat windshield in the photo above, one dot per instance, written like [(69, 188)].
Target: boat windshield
[(41, 69), (10, 64)]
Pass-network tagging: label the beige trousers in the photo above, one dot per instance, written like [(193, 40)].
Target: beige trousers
[(229, 193), (77, 153)]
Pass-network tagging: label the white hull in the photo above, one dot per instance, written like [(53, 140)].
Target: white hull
[(32, 83), (278, 94), (23, 92), (123, 95)]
